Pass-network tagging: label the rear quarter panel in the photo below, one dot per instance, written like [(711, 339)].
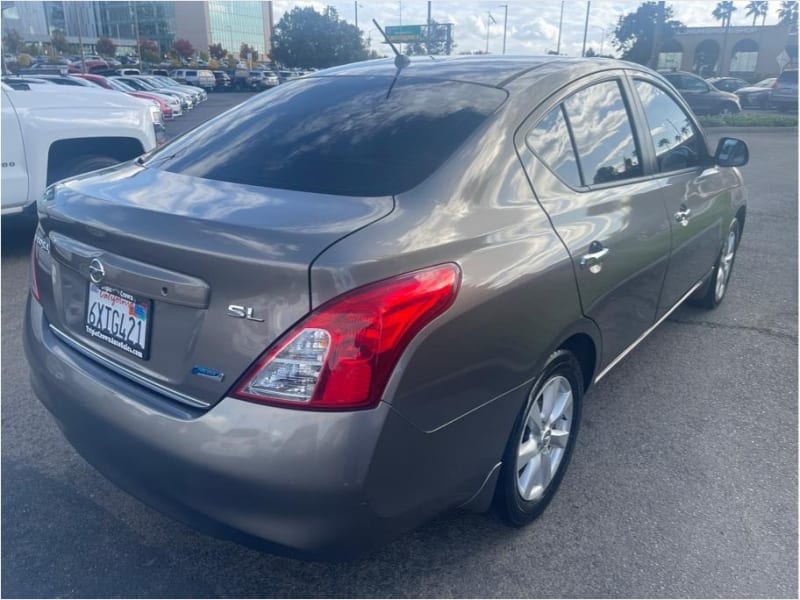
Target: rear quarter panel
[(462, 381)]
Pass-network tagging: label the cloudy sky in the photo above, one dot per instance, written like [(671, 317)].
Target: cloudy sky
[(532, 24)]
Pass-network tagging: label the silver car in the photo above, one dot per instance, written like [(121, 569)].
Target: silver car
[(375, 293)]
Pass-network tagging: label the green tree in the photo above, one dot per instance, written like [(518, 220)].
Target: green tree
[(787, 13), (184, 48), (149, 50), (13, 43), (203, 56), (305, 38), (636, 32), (59, 41), (105, 47), (246, 49), (723, 12), (217, 51), (757, 8)]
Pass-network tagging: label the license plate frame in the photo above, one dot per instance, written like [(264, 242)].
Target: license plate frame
[(109, 308)]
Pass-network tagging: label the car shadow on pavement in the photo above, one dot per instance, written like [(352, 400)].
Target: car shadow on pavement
[(17, 234)]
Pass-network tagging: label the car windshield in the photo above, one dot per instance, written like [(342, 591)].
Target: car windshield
[(120, 86), (354, 136)]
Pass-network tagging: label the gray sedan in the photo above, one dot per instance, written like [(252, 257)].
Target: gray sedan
[(374, 293)]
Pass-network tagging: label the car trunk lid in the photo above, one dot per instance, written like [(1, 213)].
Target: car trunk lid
[(205, 275)]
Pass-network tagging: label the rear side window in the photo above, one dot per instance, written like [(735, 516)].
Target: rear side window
[(603, 135), (550, 141), (788, 77), (191, 73), (357, 136), (677, 143)]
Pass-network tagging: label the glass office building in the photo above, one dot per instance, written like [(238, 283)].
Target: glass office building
[(233, 23), (155, 21)]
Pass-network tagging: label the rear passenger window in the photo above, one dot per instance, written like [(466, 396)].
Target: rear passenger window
[(603, 135), (550, 141), (678, 144)]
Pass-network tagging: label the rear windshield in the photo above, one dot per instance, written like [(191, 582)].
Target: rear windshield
[(354, 136), (788, 77)]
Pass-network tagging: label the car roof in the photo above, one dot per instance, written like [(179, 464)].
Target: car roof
[(488, 70)]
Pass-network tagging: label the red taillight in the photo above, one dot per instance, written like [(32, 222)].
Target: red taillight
[(340, 357), (34, 280)]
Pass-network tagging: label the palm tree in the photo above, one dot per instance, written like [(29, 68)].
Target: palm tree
[(757, 9), (723, 12), (788, 12)]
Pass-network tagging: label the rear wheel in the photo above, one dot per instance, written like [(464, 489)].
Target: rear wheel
[(540, 446), (720, 277)]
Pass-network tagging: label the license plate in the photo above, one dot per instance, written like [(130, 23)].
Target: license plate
[(119, 319)]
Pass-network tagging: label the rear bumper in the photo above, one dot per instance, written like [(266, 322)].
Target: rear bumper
[(308, 484)]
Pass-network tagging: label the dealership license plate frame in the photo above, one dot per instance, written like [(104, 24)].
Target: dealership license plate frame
[(98, 333)]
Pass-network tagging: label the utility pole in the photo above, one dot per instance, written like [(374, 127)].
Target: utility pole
[(489, 21), (505, 25), (429, 32), (560, 24), (136, 24), (586, 28), (356, 5), (660, 16)]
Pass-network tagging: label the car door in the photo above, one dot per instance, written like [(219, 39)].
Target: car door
[(586, 169), (697, 94), (15, 170), (693, 189)]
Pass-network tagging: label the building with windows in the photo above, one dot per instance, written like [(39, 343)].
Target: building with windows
[(747, 52), (227, 22)]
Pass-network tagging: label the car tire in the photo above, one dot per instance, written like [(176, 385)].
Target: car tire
[(83, 164), (717, 286), (522, 493)]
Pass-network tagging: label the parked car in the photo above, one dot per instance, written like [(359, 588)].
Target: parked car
[(128, 71), (727, 84), (758, 95), (262, 80), (46, 136), (202, 78), (286, 75), (170, 106), (784, 94), (223, 81), (377, 293), (198, 94), (134, 81), (701, 96), (164, 72)]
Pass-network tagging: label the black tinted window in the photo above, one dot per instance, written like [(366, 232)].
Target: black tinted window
[(603, 135), (360, 136), (678, 144), (551, 142), (788, 77)]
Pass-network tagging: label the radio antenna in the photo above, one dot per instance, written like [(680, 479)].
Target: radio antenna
[(400, 60)]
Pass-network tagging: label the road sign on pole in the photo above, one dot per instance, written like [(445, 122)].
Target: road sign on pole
[(405, 33), (783, 59)]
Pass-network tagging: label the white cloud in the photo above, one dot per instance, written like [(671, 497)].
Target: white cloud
[(532, 24)]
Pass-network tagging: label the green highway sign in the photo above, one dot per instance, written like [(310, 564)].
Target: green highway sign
[(405, 33)]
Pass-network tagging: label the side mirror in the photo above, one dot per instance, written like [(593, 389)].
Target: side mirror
[(731, 153)]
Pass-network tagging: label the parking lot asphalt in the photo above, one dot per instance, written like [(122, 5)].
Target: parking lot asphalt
[(683, 482)]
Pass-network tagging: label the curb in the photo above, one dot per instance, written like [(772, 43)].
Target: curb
[(743, 130)]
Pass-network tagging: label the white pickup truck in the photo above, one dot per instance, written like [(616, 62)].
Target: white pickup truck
[(50, 132)]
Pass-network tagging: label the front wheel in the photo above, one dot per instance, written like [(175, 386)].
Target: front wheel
[(541, 443)]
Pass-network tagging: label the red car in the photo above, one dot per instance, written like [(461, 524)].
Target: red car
[(166, 110)]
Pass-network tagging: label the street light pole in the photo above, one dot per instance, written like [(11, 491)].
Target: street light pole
[(356, 6), (489, 21), (560, 24), (505, 25), (586, 28)]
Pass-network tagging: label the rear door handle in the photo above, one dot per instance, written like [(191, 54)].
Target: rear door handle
[(593, 260), (682, 216)]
